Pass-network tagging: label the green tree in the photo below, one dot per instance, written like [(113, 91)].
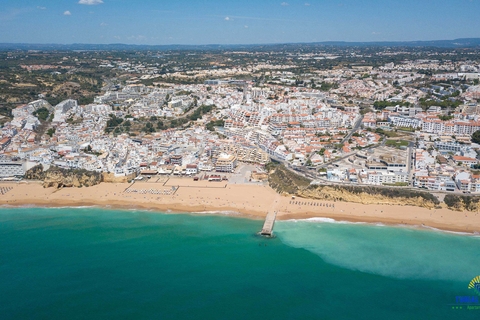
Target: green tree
[(476, 136), (445, 117), (149, 127), (112, 123), (50, 132), (325, 86), (42, 113), (212, 124)]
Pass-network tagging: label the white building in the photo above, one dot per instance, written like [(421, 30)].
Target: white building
[(191, 169), (62, 108), (226, 163), (11, 168), (405, 122), (381, 177)]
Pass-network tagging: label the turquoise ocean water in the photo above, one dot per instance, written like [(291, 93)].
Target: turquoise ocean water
[(89, 263)]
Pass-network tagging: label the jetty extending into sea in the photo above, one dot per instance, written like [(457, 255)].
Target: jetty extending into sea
[(267, 229)]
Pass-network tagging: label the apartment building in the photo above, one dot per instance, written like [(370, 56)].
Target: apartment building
[(226, 163), (11, 168), (382, 177)]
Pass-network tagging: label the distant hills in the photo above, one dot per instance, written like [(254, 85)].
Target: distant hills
[(456, 43)]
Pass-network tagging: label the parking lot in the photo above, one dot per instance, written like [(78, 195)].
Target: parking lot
[(243, 173)]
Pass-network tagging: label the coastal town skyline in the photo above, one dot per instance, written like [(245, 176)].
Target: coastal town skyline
[(239, 159), (336, 115)]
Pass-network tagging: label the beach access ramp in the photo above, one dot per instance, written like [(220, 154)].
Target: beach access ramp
[(267, 229)]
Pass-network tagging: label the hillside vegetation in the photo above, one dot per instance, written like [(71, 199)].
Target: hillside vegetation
[(462, 203), (286, 182)]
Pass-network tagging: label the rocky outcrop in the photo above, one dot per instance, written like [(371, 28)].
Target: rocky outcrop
[(63, 178), (35, 173)]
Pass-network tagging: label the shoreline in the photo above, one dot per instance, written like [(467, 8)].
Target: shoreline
[(242, 200), (237, 214), (389, 223)]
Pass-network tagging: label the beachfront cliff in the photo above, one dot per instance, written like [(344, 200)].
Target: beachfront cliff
[(288, 183), (462, 202), (370, 195), (63, 178)]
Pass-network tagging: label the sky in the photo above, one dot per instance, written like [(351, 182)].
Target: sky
[(158, 22)]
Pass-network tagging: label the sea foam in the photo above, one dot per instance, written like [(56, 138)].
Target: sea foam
[(404, 253)]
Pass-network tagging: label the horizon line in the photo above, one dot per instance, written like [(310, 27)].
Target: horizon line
[(240, 44)]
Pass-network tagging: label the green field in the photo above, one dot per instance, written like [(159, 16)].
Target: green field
[(397, 143), (397, 184)]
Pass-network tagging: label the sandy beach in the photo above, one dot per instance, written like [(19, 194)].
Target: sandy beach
[(249, 200)]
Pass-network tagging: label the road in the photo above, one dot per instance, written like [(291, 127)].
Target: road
[(306, 172), (410, 162), (312, 174), (356, 126), (338, 159), (109, 85), (381, 144)]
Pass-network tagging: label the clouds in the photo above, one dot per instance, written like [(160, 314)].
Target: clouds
[(12, 14), (227, 18), (84, 2), (41, 8), (90, 2), (284, 4)]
